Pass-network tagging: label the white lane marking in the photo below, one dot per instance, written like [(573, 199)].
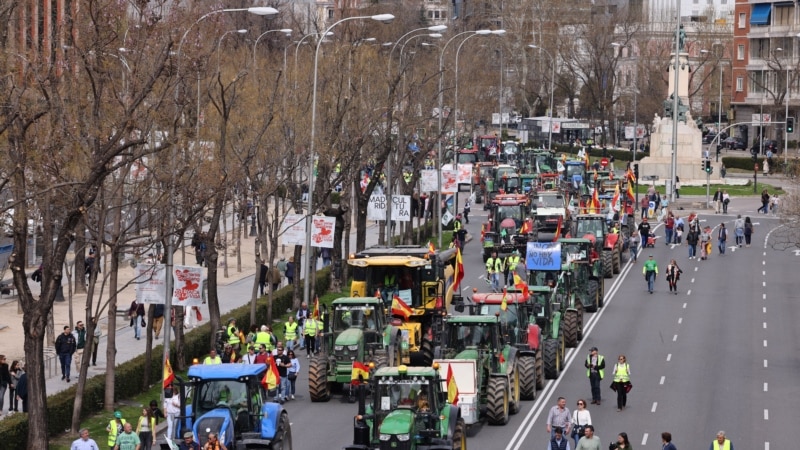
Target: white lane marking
[(675, 338), (763, 296), (766, 387), (765, 253), (764, 284), (684, 306), (764, 272), (644, 439), (764, 310), (466, 288), (766, 445), (655, 405), (692, 280), (680, 320), (662, 380), (696, 268), (669, 357), (689, 292), (766, 414), (763, 263), (765, 363), (765, 342), (765, 325)]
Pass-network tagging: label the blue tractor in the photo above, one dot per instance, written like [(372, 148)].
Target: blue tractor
[(231, 401)]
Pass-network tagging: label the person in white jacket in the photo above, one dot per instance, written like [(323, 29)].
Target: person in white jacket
[(172, 408), (580, 418)]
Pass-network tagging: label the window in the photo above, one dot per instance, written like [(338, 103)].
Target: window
[(739, 84), (759, 48), (740, 52), (742, 20), (330, 14), (761, 13), (782, 15), (760, 81), (437, 15)]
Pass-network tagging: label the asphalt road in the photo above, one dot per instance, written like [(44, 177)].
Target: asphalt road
[(720, 355)]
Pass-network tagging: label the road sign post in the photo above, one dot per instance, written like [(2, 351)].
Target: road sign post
[(755, 178)]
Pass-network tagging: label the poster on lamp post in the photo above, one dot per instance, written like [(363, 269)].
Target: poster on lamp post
[(427, 180), (322, 229), (293, 230), (188, 286), (449, 181), (401, 208), (187, 282), (376, 207), (151, 284), (465, 174)]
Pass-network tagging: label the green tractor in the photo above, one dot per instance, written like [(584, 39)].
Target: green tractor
[(357, 330), (608, 245), (586, 272), (407, 408), (484, 367)]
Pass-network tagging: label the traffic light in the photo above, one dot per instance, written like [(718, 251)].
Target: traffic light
[(708, 166), (790, 124), (703, 164), (636, 171)]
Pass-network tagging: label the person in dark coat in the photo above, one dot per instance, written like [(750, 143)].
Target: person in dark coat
[(22, 391), (262, 277)]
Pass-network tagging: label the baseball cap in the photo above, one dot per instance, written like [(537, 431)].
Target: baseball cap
[(117, 414), (188, 434)]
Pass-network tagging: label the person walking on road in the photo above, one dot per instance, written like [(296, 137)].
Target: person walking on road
[(558, 442), (494, 270), (722, 238), (595, 369), (65, 348), (580, 418), (666, 441), (467, 209), (644, 231), (726, 198), (84, 442), (558, 416), (650, 272), (721, 442), (738, 230), (705, 243), (764, 202), (622, 443), (717, 201), (622, 381), (589, 441), (748, 231), (691, 241), (673, 275), (633, 246)]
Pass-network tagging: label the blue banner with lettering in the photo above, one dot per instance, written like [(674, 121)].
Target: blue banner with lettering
[(543, 256)]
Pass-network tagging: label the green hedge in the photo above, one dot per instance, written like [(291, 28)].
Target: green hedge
[(595, 152), (745, 163), (129, 375)]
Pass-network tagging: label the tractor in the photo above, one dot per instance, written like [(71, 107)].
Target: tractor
[(357, 330), (519, 322), (609, 245), (502, 234), (230, 400), (586, 272), (485, 368), (481, 172), (422, 279), (407, 408), (550, 211), (504, 179)]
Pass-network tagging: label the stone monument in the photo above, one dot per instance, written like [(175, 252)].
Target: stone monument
[(689, 147)]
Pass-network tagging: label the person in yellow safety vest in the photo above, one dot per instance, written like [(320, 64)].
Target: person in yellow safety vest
[(721, 443), (622, 379), (389, 287), (212, 358), (511, 267), (494, 270), (233, 334), (595, 369), (263, 337), (290, 333), (312, 328), (114, 428)]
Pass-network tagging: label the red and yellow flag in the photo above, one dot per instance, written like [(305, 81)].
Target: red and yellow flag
[(631, 176), (586, 159), (615, 203), (452, 388), (558, 230), (595, 204), (360, 373), (504, 303), (630, 191), (315, 313), (400, 308), (520, 284), (431, 248), (459, 274), (169, 375), (271, 378)]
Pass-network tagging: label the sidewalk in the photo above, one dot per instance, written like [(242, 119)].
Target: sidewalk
[(234, 292)]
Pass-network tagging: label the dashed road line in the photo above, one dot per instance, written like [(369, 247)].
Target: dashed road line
[(765, 364), (765, 325), (675, 338), (766, 414), (669, 357), (764, 309), (689, 292), (766, 387), (680, 320), (662, 380), (692, 280), (684, 306), (765, 342), (644, 439), (655, 405)]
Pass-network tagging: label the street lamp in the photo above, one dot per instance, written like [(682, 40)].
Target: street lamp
[(552, 87), (286, 31), (786, 114), (219, 43), (297, 49), (385, 18), (434, 29), (455, 95)]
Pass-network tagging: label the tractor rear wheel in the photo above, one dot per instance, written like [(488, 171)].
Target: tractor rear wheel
[(539, 367), (283, 435), (497, 407), (591, 291), (550, 358), (318, 388), (617, 263), (608, 264), (601, 293), (527, 377), (579, 308), (514, 391), (426, 353), (380, 361), (570, 328), (460, 435)]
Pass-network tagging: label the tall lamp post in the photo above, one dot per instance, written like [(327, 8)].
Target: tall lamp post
[(221, 38), (455, 95), (552, 87), (286, 31), (385, 18)]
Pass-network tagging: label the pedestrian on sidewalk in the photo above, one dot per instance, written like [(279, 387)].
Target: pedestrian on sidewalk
[(146, 429), (673, 275), (136, 314), (717, 201), (262, 277), (726, 198), (595, 370), (290, 271), (5, 383), (274, 278), (172, 406), (15, 371), (96, 341), (65, 348), (622, 379), (748, 231), (22, 390), (722, 237), (282, 263), (80, 339), (158, 319)]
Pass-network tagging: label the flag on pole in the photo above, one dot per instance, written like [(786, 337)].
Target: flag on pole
[(431, 248), (360, 373), (586, 160), (271, 378), (459, 274), (558, 230), (630, 194), (520, 284), (504, 303), (631, 176), (452, 388), (595, 202), (169, 375), (615, 203), (315, 313), (400, 308)]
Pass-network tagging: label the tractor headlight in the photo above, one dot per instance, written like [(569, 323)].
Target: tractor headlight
[(385, 437), (353, 348), (338, 348), (403, 437)]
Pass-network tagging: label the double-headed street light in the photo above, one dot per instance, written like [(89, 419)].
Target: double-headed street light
[(552, 87), (286, 31), (455, 95), (221, 38), (385, 18), (434, 29)]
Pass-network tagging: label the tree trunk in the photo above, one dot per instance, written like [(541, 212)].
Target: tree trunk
[(212, 260), (111, 350)]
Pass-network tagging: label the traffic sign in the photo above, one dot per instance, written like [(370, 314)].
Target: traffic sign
[(604, 162)]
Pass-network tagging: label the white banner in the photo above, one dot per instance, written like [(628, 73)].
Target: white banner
[(449, 178), (427, 181), (376, 208), (401, 208), (322, 229), (293, 230), (151, 284), (187, 282), (446, 218), (465, 174)]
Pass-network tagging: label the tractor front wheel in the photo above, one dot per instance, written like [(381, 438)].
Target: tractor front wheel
[(592, 288), (551, 358), (318, 388), (617, 262), (608, 264), (539, 367), (527, 377), (283, 435), (570, 328), (497, 408), (460, 435)]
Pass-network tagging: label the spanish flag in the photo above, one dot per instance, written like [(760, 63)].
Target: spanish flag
[(271, 378), (630, 192), (360, 373), (400, 309), (595, 209), (615, 203), (631, 176), (558, 230), (431, 248), (169, 375), (315, 313), (504, 303), (452, 388), (459, 274), (520, 284)]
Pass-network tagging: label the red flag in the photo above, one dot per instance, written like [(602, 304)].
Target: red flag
[(520, 284), (360, 373), (630, 194), (169, 375), (459, 274), (558, 230), (271, 378), (615, 200), (315, 313), (504, 303), (452, 388), (400, 308), (595, 207)]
